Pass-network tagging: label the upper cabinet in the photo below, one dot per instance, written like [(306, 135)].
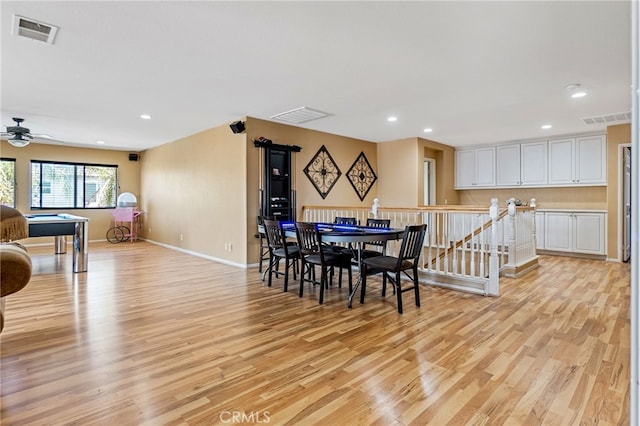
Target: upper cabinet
[(476, 168), (562, 162), (521, 164), (578, 161)]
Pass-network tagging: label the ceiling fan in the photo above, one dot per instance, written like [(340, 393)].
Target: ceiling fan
[(21, 135)]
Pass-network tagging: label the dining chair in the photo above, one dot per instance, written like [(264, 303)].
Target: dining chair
[(345, 220), (312, 254), (280, 248), (392, 267), (264, 245)]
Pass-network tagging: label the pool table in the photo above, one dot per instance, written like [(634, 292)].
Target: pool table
[(59, 225)]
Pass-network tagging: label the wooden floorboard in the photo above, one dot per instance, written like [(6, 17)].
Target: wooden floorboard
[(151, 336)]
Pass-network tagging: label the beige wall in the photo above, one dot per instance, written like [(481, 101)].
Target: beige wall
[(207, 186), (401, 172), (195, 187), (100, 219), (343, 150)]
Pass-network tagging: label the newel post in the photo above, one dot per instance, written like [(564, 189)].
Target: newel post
[(534, 237), (511, 209), (493, 288), (374, 208)]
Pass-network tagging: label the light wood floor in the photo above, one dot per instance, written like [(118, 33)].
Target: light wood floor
[(151, 336)]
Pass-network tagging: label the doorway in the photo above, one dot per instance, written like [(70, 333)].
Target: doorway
[(626, 203), (429, 174)]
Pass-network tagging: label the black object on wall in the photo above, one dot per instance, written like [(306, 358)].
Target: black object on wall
[(277, 195), (237, 127), (133, 157)]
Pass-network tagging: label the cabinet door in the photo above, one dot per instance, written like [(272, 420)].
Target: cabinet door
[(465, 168), (485, 166), (589, 233), (508, 165), (533, 165), (561, 161), (558, 231), (591, 160)]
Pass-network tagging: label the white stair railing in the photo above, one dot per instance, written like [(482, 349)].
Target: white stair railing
[(466, 248)]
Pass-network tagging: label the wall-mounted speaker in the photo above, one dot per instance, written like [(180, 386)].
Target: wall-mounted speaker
[(237, 127), (133, 156)]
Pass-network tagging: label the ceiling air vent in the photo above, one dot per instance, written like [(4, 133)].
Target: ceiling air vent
[(30, 28), (300, 115), (608, 118)]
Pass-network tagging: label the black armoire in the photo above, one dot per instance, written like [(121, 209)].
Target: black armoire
[(278, 197)]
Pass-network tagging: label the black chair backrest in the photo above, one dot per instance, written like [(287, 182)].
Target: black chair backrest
[(307, 235), (412, 241), (275, 236), (378, 223), (345, 221)]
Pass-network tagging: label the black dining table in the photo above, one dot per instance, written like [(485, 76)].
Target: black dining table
[(350, 234)]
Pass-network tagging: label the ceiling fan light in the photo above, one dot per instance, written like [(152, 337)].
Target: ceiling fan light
[(18, 141)]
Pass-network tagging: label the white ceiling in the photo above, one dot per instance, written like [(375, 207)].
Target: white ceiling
[(475, 72)]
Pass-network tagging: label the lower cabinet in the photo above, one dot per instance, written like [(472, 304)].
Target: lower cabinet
[(575, 232)]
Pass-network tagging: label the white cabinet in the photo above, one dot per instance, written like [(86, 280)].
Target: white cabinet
[(578, 161), (575, 232), (521, 164), (476, 167), (508, 165), (533, 164)]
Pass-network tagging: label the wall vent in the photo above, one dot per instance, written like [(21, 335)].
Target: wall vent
[(608, 118), (300, 115), (35, 30)]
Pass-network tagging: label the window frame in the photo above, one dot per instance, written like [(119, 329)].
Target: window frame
[(14, 183), (75, 196)]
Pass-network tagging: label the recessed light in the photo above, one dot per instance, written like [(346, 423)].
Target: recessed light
[(145, 116), (392, 118), (579, 94), (428, 130), (100, 142), (546, 126)]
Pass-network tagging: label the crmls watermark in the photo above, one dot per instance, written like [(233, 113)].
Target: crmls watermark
[(253, 417)]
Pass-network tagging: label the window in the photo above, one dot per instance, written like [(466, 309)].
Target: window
[(8, 181), (72, 185)]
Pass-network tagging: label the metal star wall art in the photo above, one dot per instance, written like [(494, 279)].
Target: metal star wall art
[(361, 176), (323, 172)]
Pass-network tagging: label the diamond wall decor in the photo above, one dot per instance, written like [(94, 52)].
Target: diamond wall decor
[(323, 172), (361, 176)]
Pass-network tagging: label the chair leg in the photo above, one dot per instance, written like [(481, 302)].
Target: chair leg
[(416, 287), (302, 265), (384, 284), (287, 263), (272, 261), (323, 283), (363, 284), (350, 276), (399, 292), (295, 267)]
